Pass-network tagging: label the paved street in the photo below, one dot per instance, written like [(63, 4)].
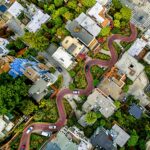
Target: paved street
[(25, 140)]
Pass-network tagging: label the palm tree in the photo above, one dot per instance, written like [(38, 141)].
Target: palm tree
[(90, 118)]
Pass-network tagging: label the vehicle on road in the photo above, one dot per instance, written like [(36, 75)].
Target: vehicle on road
[(23, 147), (86, 68), (45, 133), (76, 92), (52, 127), (59, 69), (29, 129)]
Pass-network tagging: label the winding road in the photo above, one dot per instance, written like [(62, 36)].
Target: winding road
[(25, 140)]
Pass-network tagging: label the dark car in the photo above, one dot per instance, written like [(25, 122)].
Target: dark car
[(23, 147), (59, 69), (86, 68)]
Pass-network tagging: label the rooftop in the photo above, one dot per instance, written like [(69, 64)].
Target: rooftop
[(15, 9), (121, 136), (98, 100), (136, 111), (88, 24), (147, 58), (130, 66), (79, 32), (64, 58), (137, 47), (101, 139)]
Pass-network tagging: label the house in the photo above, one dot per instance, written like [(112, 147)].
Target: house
[(147, 58), (30, 69), (130, 66), (136, 111), (97, 12), (120, 137), (102, 140), (5, 63), (64, 58), (114, 79), (88, 24), (5, 126), (29, 17), (3, 50), (73, 46), (80, 33), (69, 139), (40, 88), (136, 49), (100, 102)]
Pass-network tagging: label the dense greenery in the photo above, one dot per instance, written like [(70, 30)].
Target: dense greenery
[(13, 93)]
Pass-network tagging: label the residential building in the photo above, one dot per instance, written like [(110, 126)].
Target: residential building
[(5, 126), (130, 66), (140, 11), (147, 58), (88, 24), (40, 88), (3, 50), (5, 63), (80, 33), (32, 18), (136, 111), (137, 47), (146, 37), (120, 137), (73, 46), (97, 12), (102, 140), (69, 139), (64, 58), (101, 102), (114, 79)]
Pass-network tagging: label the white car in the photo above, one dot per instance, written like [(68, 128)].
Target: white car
[(29, 130), (76, 92), (44, 133), (52, 127)]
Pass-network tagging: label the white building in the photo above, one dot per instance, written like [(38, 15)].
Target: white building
[(147, 37), (15, 9), (98, 100), (3, 50), (130, 66), (88, 24), (137, 47), (120, 136), (98, 13), (64, 58), (5, 126), (147, 58)]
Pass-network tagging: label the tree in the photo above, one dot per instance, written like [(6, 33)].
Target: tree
[(117, 4), (90, 118), (117, 23), (117, 16), (27, 107), (102, 122), (117, 104), (62, 32), (72, 4), (126, 13), (57, 22), (105, 31), (35, 40), (19, 44), (95, 82), (58, 3), (68, 15), (133, 139), (87, 3)]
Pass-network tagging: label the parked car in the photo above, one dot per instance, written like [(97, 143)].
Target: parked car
[(86, 68), (29, 129), (44, 133), (59, 69), (52, 127), (76, 92)]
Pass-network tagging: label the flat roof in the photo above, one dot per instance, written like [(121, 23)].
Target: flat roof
[(79, 32), (37, 20), (130, 66), (137, 47), (88, 24), (15, 9), (64, 58)]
